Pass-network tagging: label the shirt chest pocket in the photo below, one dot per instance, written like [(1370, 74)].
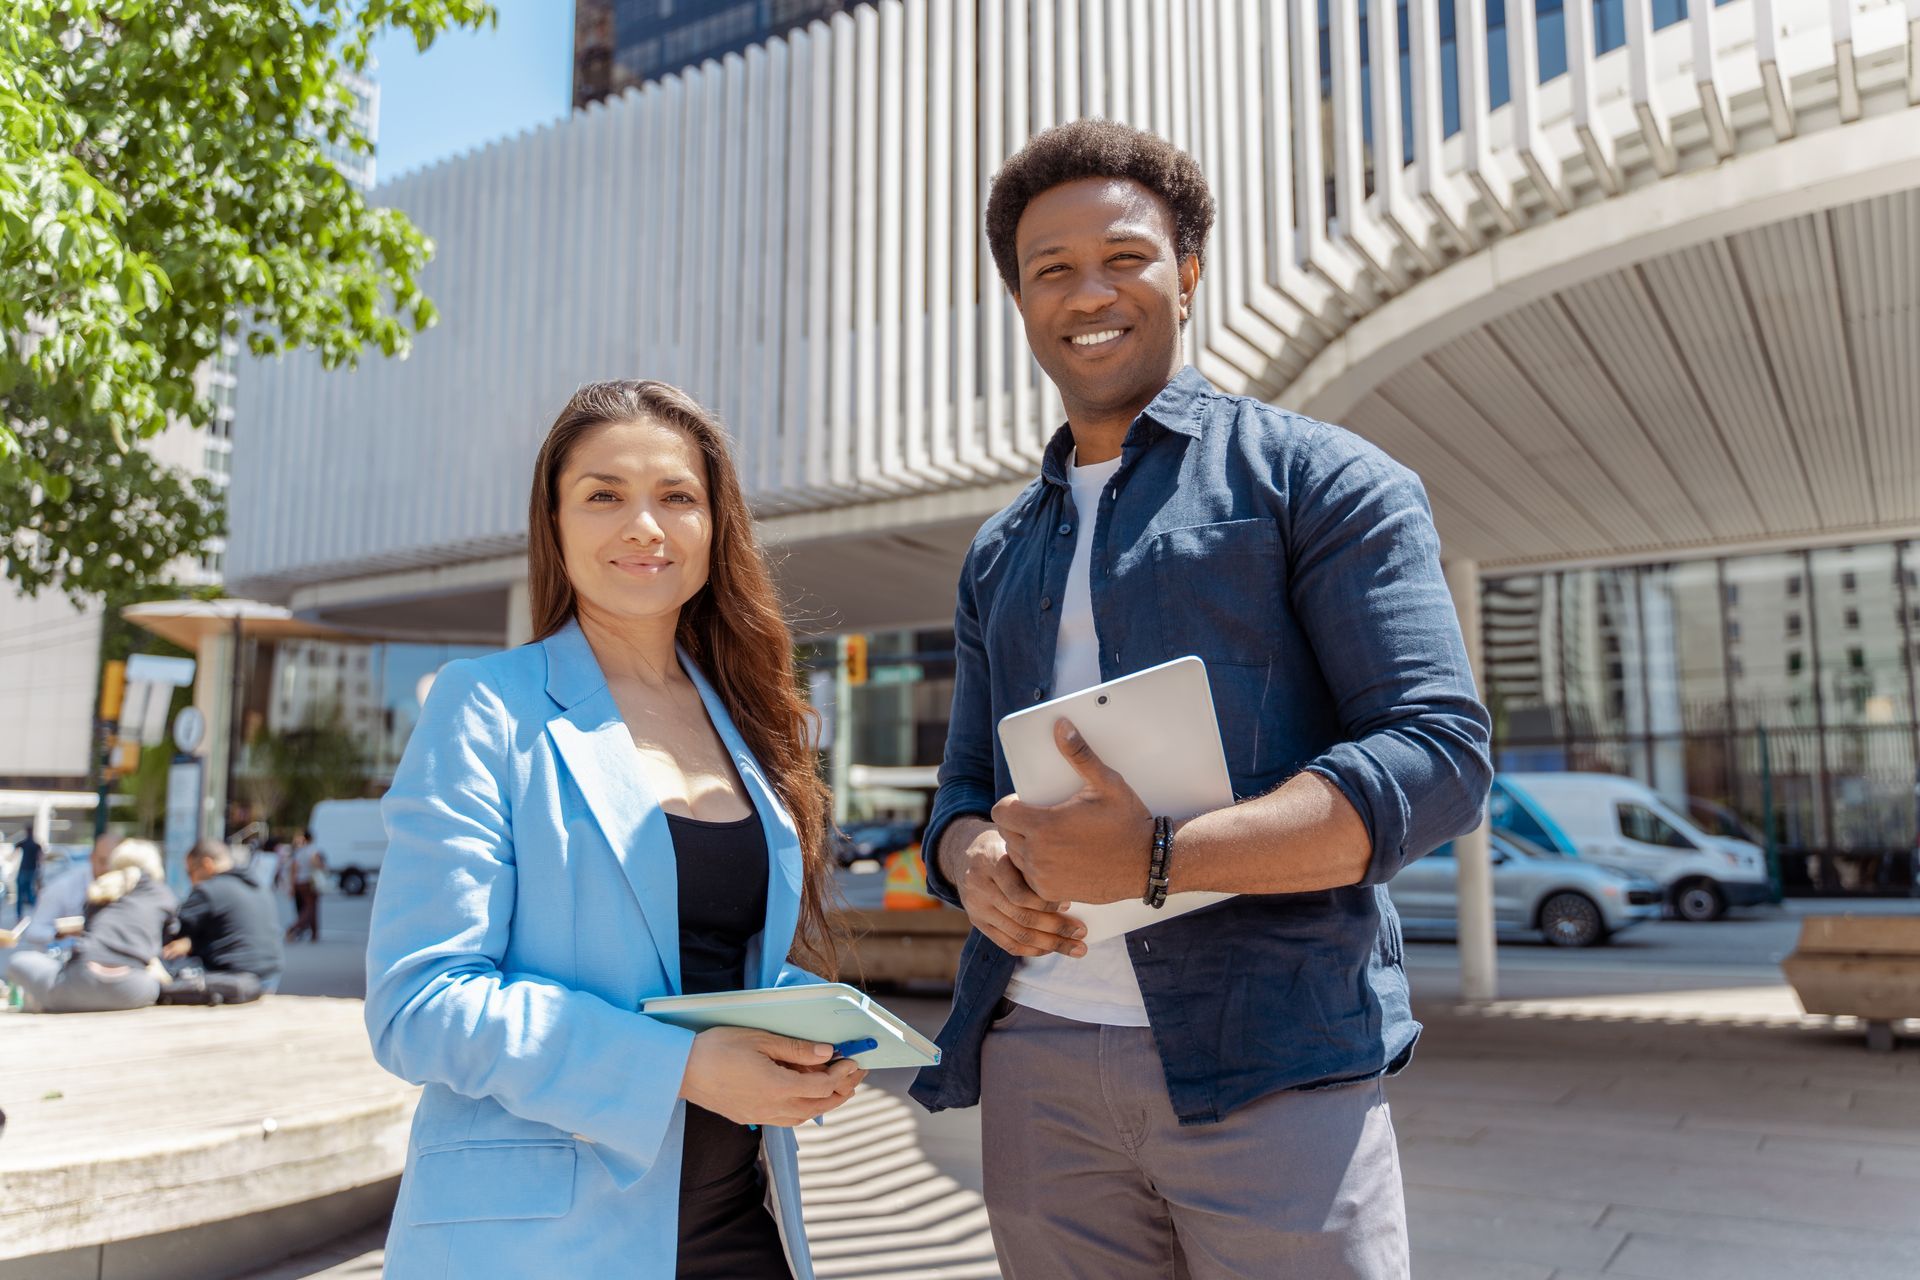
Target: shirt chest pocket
[(1219, 590)]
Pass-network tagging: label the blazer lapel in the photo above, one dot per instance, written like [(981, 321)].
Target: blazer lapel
[(784, 871), (598, 750)]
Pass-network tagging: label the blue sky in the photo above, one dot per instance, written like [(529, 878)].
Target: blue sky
[(471, 88)]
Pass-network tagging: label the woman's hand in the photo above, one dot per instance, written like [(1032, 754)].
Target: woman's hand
[(756, 1077)]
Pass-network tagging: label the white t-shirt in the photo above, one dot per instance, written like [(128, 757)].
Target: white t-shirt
[(1098, 987)]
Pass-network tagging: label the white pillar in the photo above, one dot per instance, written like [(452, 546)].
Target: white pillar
[(840, 751), (1479, 970), (213, 695), (519, 614)]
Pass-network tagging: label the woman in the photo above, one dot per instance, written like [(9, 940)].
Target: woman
[(128, 907), (626, 808), (303, 861)]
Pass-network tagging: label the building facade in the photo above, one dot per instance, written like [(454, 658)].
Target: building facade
[(1634, 295), (622, 44)]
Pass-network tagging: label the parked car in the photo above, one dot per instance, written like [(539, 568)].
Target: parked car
[(353, 840), (1536, 891), (1621, 823), (863, 840)]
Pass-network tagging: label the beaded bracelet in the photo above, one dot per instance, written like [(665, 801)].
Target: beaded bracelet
[(1157, 869)]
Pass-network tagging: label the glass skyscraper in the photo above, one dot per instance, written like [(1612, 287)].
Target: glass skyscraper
[(1774, 689), (618, 44)]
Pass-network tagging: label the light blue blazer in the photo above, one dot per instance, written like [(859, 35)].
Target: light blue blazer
[(527, 905)]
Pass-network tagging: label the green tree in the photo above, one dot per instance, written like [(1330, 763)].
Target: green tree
[(165, 183), (288, 773)]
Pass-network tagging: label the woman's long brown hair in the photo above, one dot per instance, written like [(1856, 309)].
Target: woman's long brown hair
[(733, 627)]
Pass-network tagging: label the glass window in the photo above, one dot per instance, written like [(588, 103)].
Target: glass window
[(1777, 777), (1520, 655), (1862, 677), (1872, 775), (1686, 659), (1605, 694), (1774, 683), (1637, 822)]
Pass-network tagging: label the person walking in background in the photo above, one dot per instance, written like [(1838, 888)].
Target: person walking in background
[(26, 875), (628, 806), (128, 907), (306, 871), (226, 923), (1205, 1093)]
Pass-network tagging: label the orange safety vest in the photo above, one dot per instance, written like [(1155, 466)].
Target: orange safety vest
[(907, 883)]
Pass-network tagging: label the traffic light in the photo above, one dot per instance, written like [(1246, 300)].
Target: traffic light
[(856, 659)]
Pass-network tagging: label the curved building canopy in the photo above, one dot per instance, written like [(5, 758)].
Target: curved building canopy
[(1617, 281)]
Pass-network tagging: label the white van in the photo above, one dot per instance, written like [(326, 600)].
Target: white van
[(353, 840), (1625, 824)]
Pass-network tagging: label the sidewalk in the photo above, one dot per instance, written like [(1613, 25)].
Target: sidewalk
[(1684, 1135)]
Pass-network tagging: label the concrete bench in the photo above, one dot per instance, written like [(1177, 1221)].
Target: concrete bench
[(1866, 967), (891, 947), (189, 1143)]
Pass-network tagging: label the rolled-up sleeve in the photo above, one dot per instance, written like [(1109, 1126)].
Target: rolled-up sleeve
[(966, 770), (441, 1005), (1367, 586)]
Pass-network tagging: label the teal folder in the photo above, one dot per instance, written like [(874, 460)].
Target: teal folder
[(827, 1012)]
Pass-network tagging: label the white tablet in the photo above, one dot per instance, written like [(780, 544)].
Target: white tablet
[(1158, 730)]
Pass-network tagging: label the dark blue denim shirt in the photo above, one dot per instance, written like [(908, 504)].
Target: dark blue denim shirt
[(1302, 564)]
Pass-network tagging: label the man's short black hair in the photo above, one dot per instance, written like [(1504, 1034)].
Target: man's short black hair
[(1097, 149)]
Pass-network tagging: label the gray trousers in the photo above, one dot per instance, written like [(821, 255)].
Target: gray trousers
[(60, 984), (1089, 1174)]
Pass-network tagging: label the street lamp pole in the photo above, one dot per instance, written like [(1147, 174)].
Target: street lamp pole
[(233, 724)]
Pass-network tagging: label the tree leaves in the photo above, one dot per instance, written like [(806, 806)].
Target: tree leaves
[(165, 183)]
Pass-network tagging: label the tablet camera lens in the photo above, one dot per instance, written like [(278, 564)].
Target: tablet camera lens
[(1103, 699)]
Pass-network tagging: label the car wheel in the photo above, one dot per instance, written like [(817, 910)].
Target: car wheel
[(352, 883), (1699, 901), (1572, 920)]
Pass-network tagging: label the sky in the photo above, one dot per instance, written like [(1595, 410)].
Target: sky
[(472, 88)]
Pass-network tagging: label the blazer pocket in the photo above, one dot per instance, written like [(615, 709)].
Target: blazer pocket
[(491, 1182)]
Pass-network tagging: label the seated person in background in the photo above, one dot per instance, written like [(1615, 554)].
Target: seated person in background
[(228, 923), (128, 908)]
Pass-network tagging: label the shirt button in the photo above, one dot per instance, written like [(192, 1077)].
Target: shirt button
[(1046, 602), (1038, 693), (1065, 529)]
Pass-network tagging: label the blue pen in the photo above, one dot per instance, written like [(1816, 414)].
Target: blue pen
[(845, 1049)]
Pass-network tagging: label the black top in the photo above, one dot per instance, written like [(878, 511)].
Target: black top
[(723, 899), (234, 926), (725, 1230), (130, 929)]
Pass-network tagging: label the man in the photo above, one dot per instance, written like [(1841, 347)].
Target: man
[(228, 922), (1204, 1092), (27, 876)]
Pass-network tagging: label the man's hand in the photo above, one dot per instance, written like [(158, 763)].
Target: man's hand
[(1094, 847), (999, 902), (177, 948)]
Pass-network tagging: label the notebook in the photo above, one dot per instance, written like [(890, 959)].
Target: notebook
[(1157, 729), (827, 1012)]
